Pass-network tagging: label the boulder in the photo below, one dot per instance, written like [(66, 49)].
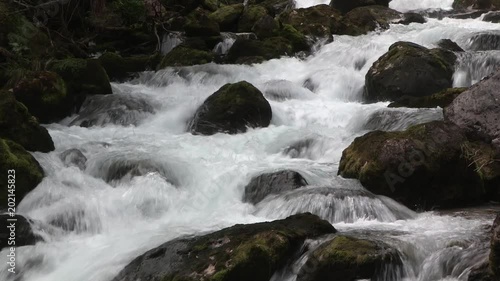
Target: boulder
[(495, 248), (272, 183), (408, 18), (274, 7), (408, 69), (119, 68), (266, 27), (492, 17), (200, 24), (27, 172), (242, 252), (476, 4), (365, 19), (477, 110), (422, 167), (17, 124), (227, 17), (319, 21), (449, 45), (441, 99), (24, 234), (44, 94), (232, 109), (347, 5), (186, 56), (346, 258), (74, 157), (251, 15), (256, 51)]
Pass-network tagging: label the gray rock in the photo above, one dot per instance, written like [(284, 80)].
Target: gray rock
[(272, 183)]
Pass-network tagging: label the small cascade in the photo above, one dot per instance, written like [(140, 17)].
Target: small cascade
[(474, 66), (171, 40), (228, 39)]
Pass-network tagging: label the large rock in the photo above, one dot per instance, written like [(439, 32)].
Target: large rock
[(27, 173), (200, 24), (232, 109), (320, 20), (186, 56), (408, 69), (17, 124), (492, 17), (44, 94), (347, 258), (272, 183), (245, 51), (422, 167), (477, 110), (274, 7), (24, 234), (476, 4), (120, 68), (347, 5), (227, 17), (365, 19), (251, 15), (242, 252), (441, 99), (495, 248)]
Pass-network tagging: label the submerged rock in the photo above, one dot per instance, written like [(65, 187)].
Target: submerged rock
[(73, 157), (242, 252), (409, 69), (347, 258), (17, 124), (272, 183), (422, 167), (484, 41), (232, 109), (24, 234), (28, 173), (440, 99)]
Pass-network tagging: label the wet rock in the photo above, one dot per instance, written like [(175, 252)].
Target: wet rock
[(274, 7), (347, 5), (440, 99), (24, 234), (412, 18), (119, 68), (242, 252), (347, 258), (320, 21), (449, 45), (27, 171), (484, 41), (408, 69), (495, 248), (227, 17), (281, 90), (266, 27), (44, 94), (492, 17), (272, 183), (183, 55), (251, 15), (397, 120), (200, 24), (248, 50), (232, 109), (476, 4), (477, 110), (17, 124), (73, 157), (116, 109), (365, 19), (421, 167)]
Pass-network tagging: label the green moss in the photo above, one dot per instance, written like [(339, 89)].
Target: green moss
[(319, 21), (440, 99), (200, 24), (185, 56), (298, 40), (227, 16), (250, 16), (27, 170)]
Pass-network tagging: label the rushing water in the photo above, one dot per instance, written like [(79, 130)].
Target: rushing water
[(97, 218)]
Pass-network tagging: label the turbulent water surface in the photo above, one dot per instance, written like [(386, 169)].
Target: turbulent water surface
[(146, 180)]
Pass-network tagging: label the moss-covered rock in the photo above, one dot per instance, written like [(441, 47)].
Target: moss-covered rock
[(274, 7), (44, 94), (319, 21), (477, 4), (345, 6), (28, 173), (242, 252), (272, 183), (17, 124), (347, 258), (269, 48), (185, 56), (408, 69), (182, 6), (422, 167), (250, 16), (365, 19), (227, 17), (266, 27), (441, 99), (120, 68), (200, 24), (232, 109)]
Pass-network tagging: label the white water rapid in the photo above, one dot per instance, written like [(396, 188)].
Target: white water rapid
[(95, 220)]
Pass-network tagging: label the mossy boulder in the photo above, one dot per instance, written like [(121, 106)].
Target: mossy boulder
[(269, 48), (17, 124), (346, 258), (423, 167), (441, 99), (477, 4), (242, 252), (227, 17), (200, 24), (319, 21), (45, 95), (345, 6), (251, 15), (82, 77), (408, 69), (232, 109), (24, 231), (120, 68), (185, 56), (272, 183), (362, 20), (274, 7), (28, 173)]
